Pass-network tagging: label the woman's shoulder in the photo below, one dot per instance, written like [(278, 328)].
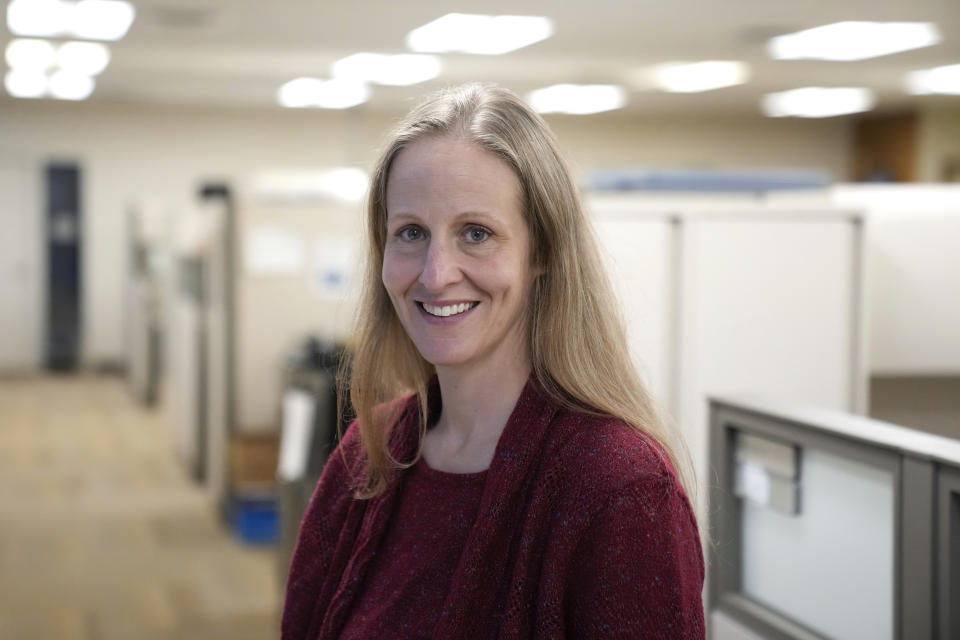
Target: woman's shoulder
[(605, 454), (351, 442)]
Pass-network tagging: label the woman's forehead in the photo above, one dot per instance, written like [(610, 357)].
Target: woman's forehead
[(449, 172)]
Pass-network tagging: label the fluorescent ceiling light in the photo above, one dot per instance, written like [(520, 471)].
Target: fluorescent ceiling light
[(472, 33), (944, 80), (88, 19), (347, 183), (299, 92), (817, 102), (579, 99), (343, 183), (25, 84), (65, 85), (700, 76), (102, 19), (85, 58), (401, 70), (38, 17), (853, 40), (32, 55), (326, 94)]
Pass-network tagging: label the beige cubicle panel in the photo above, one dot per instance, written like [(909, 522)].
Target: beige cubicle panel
[(748, 299), (641, 253), (913, 232), (772, 304), (197, 245), (149, 253)]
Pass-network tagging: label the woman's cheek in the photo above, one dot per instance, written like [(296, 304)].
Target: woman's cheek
[(398, 269)]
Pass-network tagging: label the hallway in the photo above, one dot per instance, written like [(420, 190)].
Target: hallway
[(103, 536)]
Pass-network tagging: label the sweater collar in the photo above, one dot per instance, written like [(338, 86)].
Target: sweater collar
[(474, 588), (511, 472)]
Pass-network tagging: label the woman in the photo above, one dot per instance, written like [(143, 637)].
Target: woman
[(506, 476)]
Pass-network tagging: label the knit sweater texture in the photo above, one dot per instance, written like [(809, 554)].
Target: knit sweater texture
[(582, 532)]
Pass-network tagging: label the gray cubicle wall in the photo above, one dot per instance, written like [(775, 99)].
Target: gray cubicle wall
[(829, 525)]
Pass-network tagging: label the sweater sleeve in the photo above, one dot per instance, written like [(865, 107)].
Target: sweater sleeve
[(638, 572), (319, 532)]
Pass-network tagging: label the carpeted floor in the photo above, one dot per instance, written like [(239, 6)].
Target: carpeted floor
[(103, 537)]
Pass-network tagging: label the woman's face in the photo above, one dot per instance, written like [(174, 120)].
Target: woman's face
[(457, 256)]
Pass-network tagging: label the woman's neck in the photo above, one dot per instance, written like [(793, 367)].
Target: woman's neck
[(477, 402)]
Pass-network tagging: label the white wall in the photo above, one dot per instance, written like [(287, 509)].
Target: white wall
[(130, 151), (706, 143), (21, 270)]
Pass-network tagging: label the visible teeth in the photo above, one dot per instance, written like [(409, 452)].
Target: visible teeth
[(447, 310)]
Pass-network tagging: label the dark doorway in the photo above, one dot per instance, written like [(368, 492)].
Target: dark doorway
[(63, 266)]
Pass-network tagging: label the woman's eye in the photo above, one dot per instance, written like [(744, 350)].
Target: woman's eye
[(410, 234), (477, 234)]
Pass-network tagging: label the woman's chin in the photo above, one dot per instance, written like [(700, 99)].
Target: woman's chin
[(444, 359)]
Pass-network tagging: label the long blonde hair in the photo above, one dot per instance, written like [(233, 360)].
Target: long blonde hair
[(578, 347)]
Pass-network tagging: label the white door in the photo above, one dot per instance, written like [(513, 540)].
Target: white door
[(21, 267)]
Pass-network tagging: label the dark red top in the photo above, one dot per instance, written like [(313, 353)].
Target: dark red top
[(410, 576), (582, 531)]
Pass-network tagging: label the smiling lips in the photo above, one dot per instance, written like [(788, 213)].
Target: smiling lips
[(447, 310)]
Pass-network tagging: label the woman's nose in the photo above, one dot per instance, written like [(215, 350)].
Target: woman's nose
[(440, 266)]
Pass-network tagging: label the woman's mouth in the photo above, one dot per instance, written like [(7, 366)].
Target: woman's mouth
[(447, 310)]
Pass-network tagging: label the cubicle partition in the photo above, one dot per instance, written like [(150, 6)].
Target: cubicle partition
[(737, 297), (258, 268), (149, 265), (829, 525), (913, 232), (200, 381)]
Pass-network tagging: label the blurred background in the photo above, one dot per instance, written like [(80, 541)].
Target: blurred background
[(776, 186)]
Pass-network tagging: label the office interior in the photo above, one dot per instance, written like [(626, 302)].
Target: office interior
[(180, 257)]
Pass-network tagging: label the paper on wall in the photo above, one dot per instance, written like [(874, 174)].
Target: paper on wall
[(273, 251), (334, 264), (298, 409)]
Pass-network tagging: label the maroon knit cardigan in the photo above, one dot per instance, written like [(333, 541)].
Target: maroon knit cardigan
[(583, 531)]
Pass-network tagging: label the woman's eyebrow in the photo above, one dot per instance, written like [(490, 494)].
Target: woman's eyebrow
[(472, 215), (469, 214), (402, 217)]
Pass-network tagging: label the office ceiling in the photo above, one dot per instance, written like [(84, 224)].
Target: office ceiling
[(237, 53)]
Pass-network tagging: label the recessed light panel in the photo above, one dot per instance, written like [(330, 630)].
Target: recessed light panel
[(942, 80), (578, 99), (324, 94), (399, 70), (39, 69), (29, 54), (102, 19), (480, 34), (700, 76), (25, 83), (41, 18), (86, 58), (817, 102), (342, 183), (347, 183), (66, 85), (844, 41), (87, 19)]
